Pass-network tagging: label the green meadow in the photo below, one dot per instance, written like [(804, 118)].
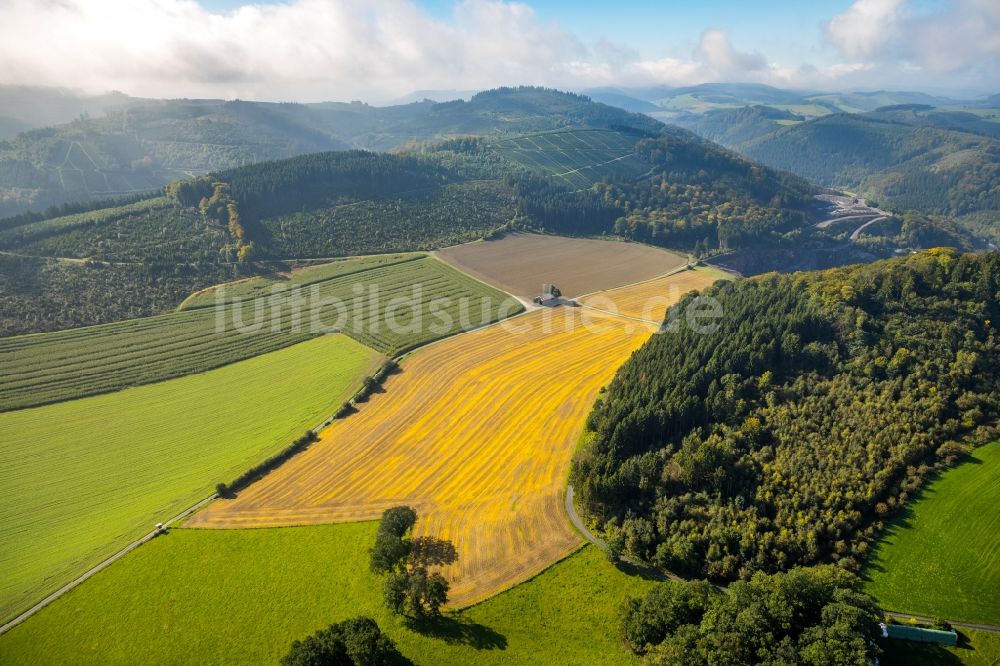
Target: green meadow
[(942, 556), (242, 596), (80, 479)]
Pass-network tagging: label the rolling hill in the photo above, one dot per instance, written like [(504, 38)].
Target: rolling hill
[(904, 165), (643, 181), (685, 105), (140, 145)]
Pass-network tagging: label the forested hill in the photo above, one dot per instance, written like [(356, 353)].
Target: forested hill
[(140, 145), (733, 127), (144, 257), (901, 165), (818, 408)]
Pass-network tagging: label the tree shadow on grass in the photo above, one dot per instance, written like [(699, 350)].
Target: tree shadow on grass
[(897, 652), (641, 571), (455, 631)]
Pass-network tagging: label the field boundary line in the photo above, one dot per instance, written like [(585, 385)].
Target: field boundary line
[(672, 271), (992, 628), (317, 429), (528, 306), (103, 565)]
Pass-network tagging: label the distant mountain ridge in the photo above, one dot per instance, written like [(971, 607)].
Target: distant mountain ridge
[(144, 144)]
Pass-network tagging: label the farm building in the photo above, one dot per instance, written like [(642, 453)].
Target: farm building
[(550, 295), (921, 634)]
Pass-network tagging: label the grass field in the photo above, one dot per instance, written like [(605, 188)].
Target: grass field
[(942, 558), (649, 300), (579, 158), (80, 479), (242, 597), (49, 367), (522, 263), (298, 277), (476, 433)]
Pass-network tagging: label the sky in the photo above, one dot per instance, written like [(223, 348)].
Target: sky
[(380, 50)]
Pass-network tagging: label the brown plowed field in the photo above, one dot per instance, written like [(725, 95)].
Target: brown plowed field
[(476, 433), (522, 263)]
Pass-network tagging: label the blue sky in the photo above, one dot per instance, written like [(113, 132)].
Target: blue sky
[(378, 50), (784, 28)]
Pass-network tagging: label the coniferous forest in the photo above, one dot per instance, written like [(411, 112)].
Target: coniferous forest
[(820, 405)]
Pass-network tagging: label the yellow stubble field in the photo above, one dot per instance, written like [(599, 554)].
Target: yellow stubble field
[(649, 300), (476, 433)]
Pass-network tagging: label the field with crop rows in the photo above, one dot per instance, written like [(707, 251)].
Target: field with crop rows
[(943, 555), (476, 433), (579, 158), (649, 300), (298, 277), (242, 596), (521, 263), (80, 479), (45, 368)]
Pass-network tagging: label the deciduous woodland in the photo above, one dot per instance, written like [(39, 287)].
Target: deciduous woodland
[(819, 407)]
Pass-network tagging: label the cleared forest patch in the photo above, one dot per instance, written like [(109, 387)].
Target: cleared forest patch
[(578, 158)]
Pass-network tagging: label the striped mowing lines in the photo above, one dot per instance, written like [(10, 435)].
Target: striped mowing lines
[(44, 368), (476, 433), (82, 478)]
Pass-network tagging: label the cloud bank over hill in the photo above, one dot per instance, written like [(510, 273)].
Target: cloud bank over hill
[(313, 50)]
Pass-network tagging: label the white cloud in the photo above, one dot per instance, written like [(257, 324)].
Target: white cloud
[(865, 27), (308, 49), (379, 49), (716, 50), (957, 37)]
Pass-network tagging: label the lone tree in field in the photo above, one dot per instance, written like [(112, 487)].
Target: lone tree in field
[(410, 588), (357, 641)]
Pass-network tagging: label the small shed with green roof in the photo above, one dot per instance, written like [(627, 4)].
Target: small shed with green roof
[(923, 635)]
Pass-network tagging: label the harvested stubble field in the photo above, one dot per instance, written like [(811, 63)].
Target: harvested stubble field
[(579, 158), (50, 367), (80, 479), (522, 263), (476, 433), (649, 300)]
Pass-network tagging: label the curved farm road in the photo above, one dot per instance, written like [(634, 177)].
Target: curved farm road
[(663, 575)]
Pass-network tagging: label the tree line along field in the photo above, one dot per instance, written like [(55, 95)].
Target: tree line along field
[(80, 479), (45, 368), (226, 597), (942, 556), (521, 263), (475, 433), (579, 158), (221, 597)]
